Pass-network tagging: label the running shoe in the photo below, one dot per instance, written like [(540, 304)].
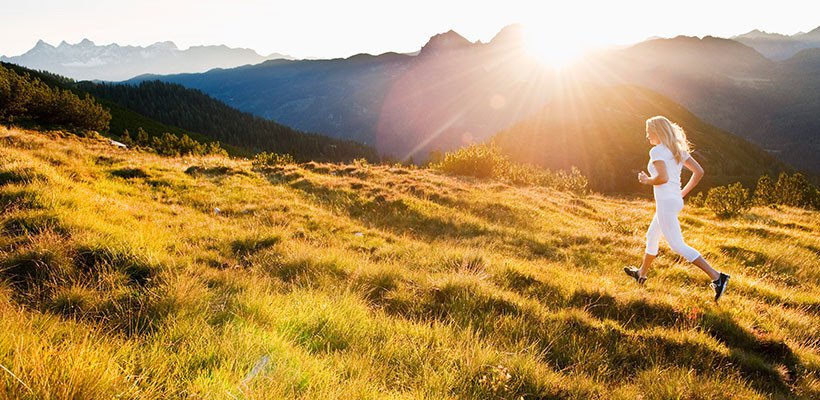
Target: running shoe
[(634, 272), (720, 285)]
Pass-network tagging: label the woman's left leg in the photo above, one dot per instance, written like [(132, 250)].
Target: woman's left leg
[(653, 240), (667, 214)]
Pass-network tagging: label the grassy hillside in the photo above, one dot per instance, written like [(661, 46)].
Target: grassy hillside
[(129, 275)]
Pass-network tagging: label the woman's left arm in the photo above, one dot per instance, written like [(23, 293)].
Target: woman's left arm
[(659, 179), (697, 173)]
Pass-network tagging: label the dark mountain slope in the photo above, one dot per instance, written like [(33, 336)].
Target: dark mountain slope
[(178, 106), (601, 131)]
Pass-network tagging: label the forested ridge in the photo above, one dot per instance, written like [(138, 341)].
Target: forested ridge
[(191, 109)]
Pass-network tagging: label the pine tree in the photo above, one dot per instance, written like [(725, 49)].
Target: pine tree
[(796, 191), (802, 192), (125, 138), (781, 188), (215, 148), (142, 137), (765, 192), (26, 97)]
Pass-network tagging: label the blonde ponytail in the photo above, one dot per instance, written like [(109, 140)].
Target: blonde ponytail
[(670, 135)]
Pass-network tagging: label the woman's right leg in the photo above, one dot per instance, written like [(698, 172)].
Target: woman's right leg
[(647, 262), (667, 216), (705, 267)]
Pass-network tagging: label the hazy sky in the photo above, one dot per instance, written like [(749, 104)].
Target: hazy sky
[(312, 28)]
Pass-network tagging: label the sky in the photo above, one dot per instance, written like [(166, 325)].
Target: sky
[(329, 29)]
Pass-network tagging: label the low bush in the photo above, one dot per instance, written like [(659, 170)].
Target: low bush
[(728, 201), (796, 191), (265, 159), (172, 145), (487, 162), (764, 194), (478, 160), (698, 200)]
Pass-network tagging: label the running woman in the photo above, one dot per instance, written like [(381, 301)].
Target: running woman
[(669, 154)]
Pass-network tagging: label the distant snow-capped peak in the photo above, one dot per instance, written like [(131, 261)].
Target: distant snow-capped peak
[(112, 62)]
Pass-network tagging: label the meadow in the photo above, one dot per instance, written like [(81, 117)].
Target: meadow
[(124, 274)]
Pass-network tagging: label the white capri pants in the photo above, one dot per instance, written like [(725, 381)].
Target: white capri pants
[(666, 222)]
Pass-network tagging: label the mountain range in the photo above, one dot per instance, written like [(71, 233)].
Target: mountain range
[(776, 46), (456, 92), (88, 61)]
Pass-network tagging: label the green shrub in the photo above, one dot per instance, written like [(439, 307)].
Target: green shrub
[(125, 138), (486, 161), (765, 194), (728, 201), (478, 160), (796, 191), (171, 145), (525, 174), (265, 159), (435, 157), (698, 200), (572, 181), (142, 137)]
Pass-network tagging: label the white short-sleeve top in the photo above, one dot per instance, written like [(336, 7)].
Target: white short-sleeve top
[(670, 189)]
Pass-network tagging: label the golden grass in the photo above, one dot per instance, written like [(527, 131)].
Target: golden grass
[(124, 274)]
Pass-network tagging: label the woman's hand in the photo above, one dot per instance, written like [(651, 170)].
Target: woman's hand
[(658, 179), (643, 178)]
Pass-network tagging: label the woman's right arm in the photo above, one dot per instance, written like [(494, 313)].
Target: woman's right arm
[(697, 173)]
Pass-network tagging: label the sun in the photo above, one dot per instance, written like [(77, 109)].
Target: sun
[(552, 48)]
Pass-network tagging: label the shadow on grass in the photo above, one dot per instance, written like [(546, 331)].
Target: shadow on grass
[(306, 271), (632, 314), (31, 269), (34, 224), (759, 358), (250, 245), (86, 283), (381, 209), (11, 200), (748, 258), (759, 354), (215, 171), (20, 176), (527, 285), (461, 301), (570, 341), (130, 173), (778, 267), (93, 259)]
